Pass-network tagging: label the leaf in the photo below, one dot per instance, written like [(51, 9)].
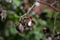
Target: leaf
[(12, 16), (42, 22), (49, 13), (17, 2)]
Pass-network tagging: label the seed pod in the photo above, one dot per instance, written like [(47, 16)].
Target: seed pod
[(20, 28)]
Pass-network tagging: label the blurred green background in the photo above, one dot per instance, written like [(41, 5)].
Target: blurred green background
[(8, 26)]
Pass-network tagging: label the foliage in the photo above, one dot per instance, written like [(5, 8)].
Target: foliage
[(8, 26)]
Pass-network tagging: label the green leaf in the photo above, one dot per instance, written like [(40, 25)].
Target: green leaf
[(13, 17), (17, 2), (49, 13)]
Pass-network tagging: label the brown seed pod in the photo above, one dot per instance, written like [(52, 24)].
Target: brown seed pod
[(20, 28)]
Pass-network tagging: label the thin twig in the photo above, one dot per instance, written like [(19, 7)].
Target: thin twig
[(54, 24), (55, 19), (54, 3), (47, 4), (27, 11)]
